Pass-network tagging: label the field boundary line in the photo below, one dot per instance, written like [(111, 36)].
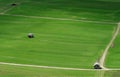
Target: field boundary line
[(6, 9), (102, 59), (67, 19), (49, 67), (10, 8), (38, 66)]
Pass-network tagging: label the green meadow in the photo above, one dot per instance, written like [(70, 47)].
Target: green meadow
[(56, 43), (68, 33)]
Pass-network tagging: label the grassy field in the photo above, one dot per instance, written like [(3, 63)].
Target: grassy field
[(56, 43), (62, 42)]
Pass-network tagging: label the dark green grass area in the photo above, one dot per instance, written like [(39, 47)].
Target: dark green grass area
[(113, 58), (73, 9), (17, 71), (5, 4), (56, 43), (109, 0)]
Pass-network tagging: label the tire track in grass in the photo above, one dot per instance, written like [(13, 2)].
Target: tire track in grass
[(99, 73), (102, 73), (67, 19), (10, 7)]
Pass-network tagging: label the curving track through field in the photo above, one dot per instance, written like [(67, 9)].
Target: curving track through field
[(102, 59)]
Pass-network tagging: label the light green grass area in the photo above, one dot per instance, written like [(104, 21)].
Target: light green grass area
[(113, 57), (16, 71), (77, 9), (56, 43)]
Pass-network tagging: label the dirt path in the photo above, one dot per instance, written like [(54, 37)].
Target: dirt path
[(48, 67), (38, 66), (102, 59)]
